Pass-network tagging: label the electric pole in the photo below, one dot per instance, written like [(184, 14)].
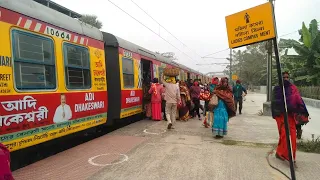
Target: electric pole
[(230, 65), (269, 70)]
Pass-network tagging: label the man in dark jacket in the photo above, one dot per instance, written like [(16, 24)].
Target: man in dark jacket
[(238, 90)]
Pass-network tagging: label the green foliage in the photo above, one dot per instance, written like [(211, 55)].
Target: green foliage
[(312, 146), (91, 20), (250, 65), (305, 66)]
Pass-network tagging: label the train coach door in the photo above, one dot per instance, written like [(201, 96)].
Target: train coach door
[(147, 75)]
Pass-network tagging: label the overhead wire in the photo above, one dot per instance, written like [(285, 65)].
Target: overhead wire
[(165, 28), (216, 52), (150, 29), (171, 33)]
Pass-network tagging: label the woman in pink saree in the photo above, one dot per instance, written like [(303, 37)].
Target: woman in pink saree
[(156, 91), (5, 172)]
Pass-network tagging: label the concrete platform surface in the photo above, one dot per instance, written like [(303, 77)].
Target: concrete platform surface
[(313, 127)]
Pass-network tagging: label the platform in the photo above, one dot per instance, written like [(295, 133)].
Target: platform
[(146, 150)]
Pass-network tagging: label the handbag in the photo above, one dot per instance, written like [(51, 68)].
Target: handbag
[(179, 104), (300, 119), (213, 102)]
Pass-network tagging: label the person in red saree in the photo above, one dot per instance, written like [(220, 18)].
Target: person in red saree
[(297, 114), (156, 90), (5, 172), (185, 102)]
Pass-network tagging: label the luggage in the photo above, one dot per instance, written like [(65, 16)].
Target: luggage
[(172, 72), (213, 102)]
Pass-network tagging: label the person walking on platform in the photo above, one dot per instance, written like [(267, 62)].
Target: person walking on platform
[(297, 114), (209, 114), (205, 96), (172, 97), (195, 95), (5, 172), (185, 102), (224, 110), (238, 91), (298, 125), (214, 83), (163, 104), (156, 91)]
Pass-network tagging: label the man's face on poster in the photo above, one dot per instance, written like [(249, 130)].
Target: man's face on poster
[(63, 99)]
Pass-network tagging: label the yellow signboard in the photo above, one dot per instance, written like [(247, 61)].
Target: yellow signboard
[(250, 26), (234, 77)]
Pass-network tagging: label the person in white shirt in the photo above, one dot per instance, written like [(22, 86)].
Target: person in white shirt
[(63, 112), (172, 97)]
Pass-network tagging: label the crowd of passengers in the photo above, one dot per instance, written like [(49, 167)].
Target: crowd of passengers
[(174, 100)]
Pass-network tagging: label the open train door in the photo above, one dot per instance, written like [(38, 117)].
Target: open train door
[(147, 76)]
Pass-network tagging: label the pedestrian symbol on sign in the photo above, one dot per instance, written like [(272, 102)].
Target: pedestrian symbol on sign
[(247, 18)]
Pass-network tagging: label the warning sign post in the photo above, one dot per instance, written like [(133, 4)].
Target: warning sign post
[(255, 25), (250, 26)]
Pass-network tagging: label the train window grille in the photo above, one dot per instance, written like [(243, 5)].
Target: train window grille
[(34, 61), (77, 67), (128, 73)]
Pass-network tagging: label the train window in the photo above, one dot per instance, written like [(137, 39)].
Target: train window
[(128, 73), (77, 66), (34, 61)]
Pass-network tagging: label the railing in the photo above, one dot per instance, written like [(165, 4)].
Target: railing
[(312, 92)]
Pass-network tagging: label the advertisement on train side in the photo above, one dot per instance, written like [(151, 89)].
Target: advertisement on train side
[(31, 119), (131, 83)]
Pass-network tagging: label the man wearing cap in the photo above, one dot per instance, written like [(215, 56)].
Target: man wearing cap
[(238, 91)]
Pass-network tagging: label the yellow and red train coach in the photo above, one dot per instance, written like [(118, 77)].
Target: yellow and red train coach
[(52, 79), (128, 66), (54, 70)]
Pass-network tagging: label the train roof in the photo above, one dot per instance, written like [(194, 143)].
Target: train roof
[(112, 40), (43, 13), (59, 8)]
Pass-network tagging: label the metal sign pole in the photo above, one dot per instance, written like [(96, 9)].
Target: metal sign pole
[(286, 122), (242, 31)]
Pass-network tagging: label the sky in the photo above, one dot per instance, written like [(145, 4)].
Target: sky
[(199, 26)]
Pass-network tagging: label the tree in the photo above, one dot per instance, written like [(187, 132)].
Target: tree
[(249, 64), (305, 66), (91, 20)]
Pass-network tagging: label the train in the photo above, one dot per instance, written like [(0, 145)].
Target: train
[(60, 76)]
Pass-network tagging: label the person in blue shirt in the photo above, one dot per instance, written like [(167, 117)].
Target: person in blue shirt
[(238, 90)]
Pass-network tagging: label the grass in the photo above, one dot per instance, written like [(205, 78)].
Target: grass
[(311, 146), (242, 143), (229, 142)]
